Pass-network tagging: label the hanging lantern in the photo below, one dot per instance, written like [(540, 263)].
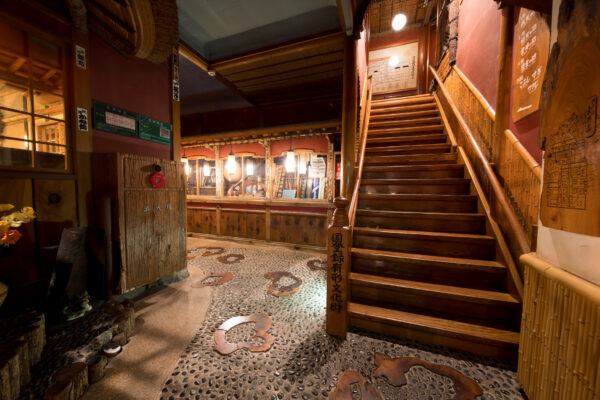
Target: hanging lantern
[(290, 161), (206, 169), (249, 168), (230, 164), (302, 167)]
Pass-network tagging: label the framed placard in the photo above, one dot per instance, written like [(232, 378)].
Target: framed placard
[(532, 43), (154, 130), (113, 119), (394, 69)]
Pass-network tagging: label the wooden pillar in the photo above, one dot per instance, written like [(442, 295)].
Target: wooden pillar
[(349, 111), (338, 266), (82, 104), (504, 80), (175, 108), (422, 60)]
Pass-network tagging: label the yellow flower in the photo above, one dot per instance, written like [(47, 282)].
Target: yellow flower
[(28, 211), (6, 207), (4, 227)]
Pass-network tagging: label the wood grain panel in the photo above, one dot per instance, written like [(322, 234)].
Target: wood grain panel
[(202, 220), (299, 228), (243, 223), (137, 171)]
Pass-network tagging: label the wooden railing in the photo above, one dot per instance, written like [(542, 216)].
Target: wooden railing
[(339, 238), (510, 224)]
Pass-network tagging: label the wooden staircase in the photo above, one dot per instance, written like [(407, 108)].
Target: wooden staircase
[(425, 261)]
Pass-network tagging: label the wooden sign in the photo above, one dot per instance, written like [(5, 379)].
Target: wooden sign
[(398, 75), (532, 42), (571, 183)]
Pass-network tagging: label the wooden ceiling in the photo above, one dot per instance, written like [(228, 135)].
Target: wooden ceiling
[(302, 71), (381, 13)]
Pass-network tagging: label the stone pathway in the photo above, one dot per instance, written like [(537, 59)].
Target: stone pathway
[(303, 362)]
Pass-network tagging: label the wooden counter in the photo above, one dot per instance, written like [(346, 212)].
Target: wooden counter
[(275, 220)]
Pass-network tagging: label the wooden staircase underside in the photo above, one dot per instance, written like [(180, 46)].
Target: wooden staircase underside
[(425, 262)]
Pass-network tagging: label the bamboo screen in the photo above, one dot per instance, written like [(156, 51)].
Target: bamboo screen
[(559, 351)]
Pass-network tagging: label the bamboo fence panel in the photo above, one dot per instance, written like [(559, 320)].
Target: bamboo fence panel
[(559, 352)]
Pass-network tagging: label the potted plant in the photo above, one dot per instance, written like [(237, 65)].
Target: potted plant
[(10, 235)]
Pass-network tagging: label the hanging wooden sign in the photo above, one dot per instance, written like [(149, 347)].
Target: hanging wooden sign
[(532, 42), (571, 183)]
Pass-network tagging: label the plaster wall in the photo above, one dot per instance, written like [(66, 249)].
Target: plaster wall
[(575, 253)]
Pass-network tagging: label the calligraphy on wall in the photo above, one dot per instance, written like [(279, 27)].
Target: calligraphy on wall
[(571, 183), (532, 42), (394, 69)]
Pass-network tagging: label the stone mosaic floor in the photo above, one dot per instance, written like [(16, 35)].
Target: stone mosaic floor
[(303, 361)]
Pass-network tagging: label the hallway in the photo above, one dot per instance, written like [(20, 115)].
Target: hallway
[(178, 359)]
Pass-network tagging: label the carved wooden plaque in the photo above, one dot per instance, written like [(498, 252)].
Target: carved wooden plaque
[(571, 183), (532, 42)]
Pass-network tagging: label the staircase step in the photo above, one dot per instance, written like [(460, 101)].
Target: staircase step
[(406, 101), (405, 122), (384, 142), (377, 132), (416, 186), (411, 159), (422, 221), (491, 306), (418, 202), (487, 341), (462, 245), (399, 109), (404, 115), (408, 149), (430, 171), (464, 272)]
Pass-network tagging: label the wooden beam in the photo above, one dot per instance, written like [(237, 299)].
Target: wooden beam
[(193, 56), (330, 39), (235, 89), (304, 79), (260, 132), (349, 110), (17, 64)]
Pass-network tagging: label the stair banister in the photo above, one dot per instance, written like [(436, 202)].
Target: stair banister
[(514, 224), (339, 241)]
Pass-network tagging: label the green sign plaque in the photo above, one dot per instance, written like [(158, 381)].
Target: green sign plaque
[(154, 130), (113, 119)]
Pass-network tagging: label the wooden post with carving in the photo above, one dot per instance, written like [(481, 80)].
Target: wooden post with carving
[(338, 262)]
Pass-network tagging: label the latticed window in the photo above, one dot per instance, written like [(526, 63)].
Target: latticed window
[(33, 129)]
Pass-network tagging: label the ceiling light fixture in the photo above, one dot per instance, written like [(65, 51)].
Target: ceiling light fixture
[(398, 22), (206, 169), (186, 165), (290, 159), (249, 168), (230, 165), (393, 61)]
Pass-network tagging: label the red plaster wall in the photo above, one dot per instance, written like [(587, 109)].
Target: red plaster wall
[(132, 84), (527, 130), (255, 148), (198, 151), (317, 144), (478, 45)]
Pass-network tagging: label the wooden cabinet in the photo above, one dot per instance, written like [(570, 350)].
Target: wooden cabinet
[(148, 223)]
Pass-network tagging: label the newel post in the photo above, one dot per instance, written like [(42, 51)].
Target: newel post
[(338, 262)]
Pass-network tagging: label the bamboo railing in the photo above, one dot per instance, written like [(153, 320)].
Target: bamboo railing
[(559, 350), (494, 190), (339, 238)]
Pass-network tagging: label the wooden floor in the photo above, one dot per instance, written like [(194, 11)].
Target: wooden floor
[(424, 263)]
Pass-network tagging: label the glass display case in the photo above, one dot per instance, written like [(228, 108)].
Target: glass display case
[(201, 177), (244, 176), (300, 175)]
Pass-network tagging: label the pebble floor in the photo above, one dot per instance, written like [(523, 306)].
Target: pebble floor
[(304, 362)]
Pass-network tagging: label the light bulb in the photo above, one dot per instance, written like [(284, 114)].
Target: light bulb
[(249, 168), (206, 169), (186, 165), (302, 167), (230, 165), (290, 161), (398, 22), (393, 61)]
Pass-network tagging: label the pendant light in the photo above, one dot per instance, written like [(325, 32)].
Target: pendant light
[(290, 159), (206, 169), (302, 167), (398, 22), (249, 168), (230, 165), (186, 165)]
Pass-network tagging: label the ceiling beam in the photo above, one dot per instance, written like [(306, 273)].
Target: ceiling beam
[(345, 12), (330, 39), (193, 56)]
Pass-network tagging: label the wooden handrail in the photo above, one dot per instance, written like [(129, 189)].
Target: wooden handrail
[(533, 165), (361, 157), (513, 221)]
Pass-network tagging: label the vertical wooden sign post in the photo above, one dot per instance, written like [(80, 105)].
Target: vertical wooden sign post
[(338, 261)]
